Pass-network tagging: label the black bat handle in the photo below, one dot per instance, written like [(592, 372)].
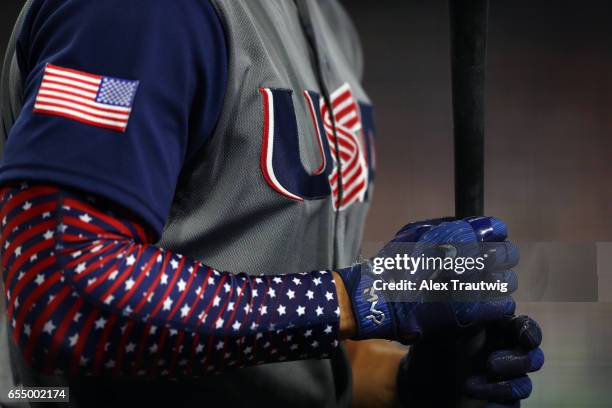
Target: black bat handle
[(468, 54), (468, 23)]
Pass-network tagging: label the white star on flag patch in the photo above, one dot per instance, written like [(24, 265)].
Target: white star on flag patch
[(95, 100)]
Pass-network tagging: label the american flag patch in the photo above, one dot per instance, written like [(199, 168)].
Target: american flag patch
[(96, 100)]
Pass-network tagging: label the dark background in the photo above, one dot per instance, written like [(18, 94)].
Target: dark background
[(548, 152), (548, 160)]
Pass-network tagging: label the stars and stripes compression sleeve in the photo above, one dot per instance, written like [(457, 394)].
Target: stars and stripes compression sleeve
[(87, 294)]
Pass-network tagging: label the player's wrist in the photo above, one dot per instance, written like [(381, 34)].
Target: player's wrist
[(347, 327)]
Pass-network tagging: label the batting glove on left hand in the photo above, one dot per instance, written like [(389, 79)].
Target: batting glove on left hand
[(426, 377)]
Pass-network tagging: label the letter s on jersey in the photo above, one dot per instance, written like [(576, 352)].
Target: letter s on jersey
[(351, 148)]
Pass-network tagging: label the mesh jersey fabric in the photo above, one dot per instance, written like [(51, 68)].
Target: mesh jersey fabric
[(224, 211)]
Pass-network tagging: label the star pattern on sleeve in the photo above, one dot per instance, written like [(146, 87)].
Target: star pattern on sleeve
[(86, 293)]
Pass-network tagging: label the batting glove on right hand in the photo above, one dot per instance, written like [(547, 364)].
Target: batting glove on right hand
[(407, 316)]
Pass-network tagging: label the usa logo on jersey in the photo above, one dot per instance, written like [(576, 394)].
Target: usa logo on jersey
[(344, 135)]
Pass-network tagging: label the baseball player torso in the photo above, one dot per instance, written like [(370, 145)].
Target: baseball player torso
[(282, 185), (258, 197)]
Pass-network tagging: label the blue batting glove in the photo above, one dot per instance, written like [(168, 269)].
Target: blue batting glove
[(379, 315), (514, 351), (426, 376)]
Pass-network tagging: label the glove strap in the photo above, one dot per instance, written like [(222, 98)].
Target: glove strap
[(374, 316)]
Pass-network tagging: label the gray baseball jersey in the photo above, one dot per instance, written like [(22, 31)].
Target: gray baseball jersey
[(282, 184)]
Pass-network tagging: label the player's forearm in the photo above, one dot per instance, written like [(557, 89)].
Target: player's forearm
[(86, 292), (375, 365)]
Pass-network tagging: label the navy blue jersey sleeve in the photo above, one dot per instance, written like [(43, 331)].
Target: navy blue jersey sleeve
[(116, 95)]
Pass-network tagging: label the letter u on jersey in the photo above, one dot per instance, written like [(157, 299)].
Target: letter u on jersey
[(346, 154)]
